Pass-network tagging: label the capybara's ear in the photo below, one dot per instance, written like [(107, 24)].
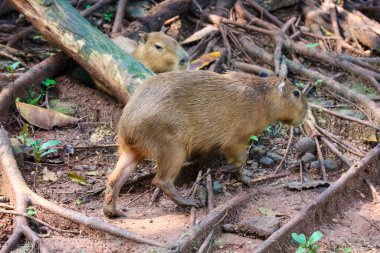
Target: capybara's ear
[(143, 37), (281, 85)]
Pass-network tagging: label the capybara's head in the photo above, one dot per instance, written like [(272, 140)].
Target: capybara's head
[(288, 100), (161, 53)]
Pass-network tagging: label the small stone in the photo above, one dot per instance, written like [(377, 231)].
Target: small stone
[(43, 230), (249, 162), (261, 226), (65, 200), (201, 195), (217, 187), (254, 166), (266, 162), (275, 157), (257, 152), (308, 157), (330, 164), (305, 145), (248, 173), (297, 131), (315, 165)]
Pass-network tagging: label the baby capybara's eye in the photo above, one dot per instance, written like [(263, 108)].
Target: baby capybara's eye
[(296, 93)]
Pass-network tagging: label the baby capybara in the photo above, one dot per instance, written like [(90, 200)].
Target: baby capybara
[(172, 115)]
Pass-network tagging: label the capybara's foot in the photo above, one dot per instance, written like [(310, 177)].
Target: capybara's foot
[(111, 212)]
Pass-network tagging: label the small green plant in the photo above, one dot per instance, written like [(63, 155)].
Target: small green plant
[(48, 83), (12, 67), (87, 6), (254, 138), (78, 201), (317, 83), (30, 211), (36, 148), (307, 246), (107, 16)]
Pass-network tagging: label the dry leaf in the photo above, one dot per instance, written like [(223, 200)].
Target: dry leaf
[(200, 34), (44, 118), (48, 175), (204, 60)]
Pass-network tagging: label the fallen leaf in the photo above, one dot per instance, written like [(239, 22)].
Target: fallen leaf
[(92, 173), (269, 212), (204, 60), (44, 118), (200, 34), (77, 178), (48, 175)]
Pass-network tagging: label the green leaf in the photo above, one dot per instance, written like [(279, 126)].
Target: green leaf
[(48, 83), (316, 236), (87, 6), (347, 250), (78, 201), (92, 173), (254, 138), (301, 249), (301, 238), (77, 178), (32, 101), (48, 152), (50, 144), (312, 45), (30, 142), (12, 67), (30, 211)]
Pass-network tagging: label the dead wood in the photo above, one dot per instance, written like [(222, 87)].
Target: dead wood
[(309, 216), (186, 241), (257, 52), (19, 36), (363, 122), (51, 66), (95, 7), (118, 23), (336, 151), (193, 209), (157, 15), (286, 151), (61, 25), (21, 196)]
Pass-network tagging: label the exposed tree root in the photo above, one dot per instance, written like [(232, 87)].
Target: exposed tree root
[(200, 230), (315, 210), (22, 196)]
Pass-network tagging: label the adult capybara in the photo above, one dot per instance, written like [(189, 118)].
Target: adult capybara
[(172, 115)]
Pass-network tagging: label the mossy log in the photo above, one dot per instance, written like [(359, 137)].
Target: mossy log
[(61, 25)]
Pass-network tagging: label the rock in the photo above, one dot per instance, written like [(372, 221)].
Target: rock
[(201, 195), (330, 165), (315, 165), (217, 187), (257, 152), (254, 166), (271, 5), (304, 29), (248, 173), (261, 226), (305, 145), (266, 162), (308, 157), (275, 157), (297, 131)]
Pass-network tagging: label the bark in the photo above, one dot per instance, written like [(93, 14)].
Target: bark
[(62, 25)]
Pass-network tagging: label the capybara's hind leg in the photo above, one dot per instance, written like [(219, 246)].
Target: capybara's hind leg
[(168, 167), (126, 164)]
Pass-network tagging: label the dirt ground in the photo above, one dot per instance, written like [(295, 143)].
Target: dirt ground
[(355, 226)]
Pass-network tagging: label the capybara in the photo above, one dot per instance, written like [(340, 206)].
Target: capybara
[(175, 114), (157, 51)]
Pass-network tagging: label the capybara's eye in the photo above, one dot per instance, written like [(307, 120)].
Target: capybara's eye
[(296, 93), (157, 46)]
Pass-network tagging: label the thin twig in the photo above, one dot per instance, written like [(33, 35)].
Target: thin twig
[(194, 191), (286, 151), (267, 178)]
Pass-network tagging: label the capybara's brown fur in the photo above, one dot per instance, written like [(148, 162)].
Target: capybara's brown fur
[(172, 115), (157, 51)]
